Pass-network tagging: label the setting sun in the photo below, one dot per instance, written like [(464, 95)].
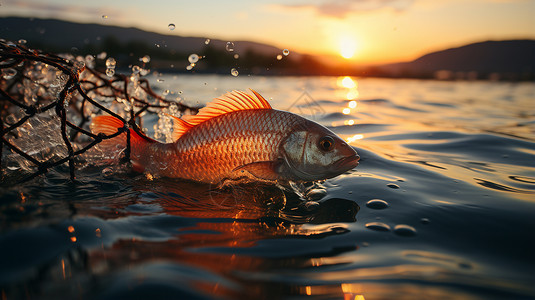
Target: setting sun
[(348, 46)]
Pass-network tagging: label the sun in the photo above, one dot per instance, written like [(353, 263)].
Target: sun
[(348, 47)]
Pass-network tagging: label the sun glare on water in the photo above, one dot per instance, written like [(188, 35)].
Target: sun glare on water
[(348, 47)]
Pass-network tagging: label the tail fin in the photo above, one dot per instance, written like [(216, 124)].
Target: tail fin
[(109, 125)]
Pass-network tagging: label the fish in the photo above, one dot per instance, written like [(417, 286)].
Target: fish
[(237, 137)]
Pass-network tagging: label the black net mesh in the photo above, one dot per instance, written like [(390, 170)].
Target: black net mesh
[(47, 102)]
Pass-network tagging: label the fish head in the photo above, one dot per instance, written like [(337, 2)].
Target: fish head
[(313, 152)]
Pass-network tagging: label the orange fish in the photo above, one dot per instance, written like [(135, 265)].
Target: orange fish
[(237, 136)]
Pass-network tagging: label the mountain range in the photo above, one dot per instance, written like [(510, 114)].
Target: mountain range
[(511, 59)]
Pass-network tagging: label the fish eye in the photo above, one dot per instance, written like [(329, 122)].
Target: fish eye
[(326, 143)]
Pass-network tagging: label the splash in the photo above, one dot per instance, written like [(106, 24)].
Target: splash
[(48, 101)]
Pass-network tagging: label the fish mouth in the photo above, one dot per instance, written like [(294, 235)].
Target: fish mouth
[(346, 163)]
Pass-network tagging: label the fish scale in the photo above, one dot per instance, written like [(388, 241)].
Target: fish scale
[(251, 136)]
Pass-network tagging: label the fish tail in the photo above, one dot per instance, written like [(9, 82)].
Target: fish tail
[(109, 125)]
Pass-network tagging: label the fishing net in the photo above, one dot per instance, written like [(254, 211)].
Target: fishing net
[(47, 102)]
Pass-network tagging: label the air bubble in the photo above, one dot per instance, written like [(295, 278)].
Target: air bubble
[(107, 172), (311, 205), (207, 41), (110, 62), (171, 26), (316, 194), (285, 52), (378, 226), (393, 186), (193, 58), (425, 221), (145, 59), (377, 204), (230, 46), (110, 72), (79, 64), (234, 72), (404, 230), (9, 73)]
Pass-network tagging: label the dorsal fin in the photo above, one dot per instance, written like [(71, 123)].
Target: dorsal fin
[(179, 127), (229, 102)]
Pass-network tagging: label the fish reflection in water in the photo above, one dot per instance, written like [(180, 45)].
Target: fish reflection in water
[(225, 226)]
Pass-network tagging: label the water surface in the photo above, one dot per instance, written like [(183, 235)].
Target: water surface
[(441, 206)]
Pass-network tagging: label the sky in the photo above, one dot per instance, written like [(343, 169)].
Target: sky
[(358, 31)]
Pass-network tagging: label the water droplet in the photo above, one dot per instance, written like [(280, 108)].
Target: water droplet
[(279, 57), (234, 72), (104, 16), (230, 46), (102, 55), (145, 59), (311, 205), (425, 221), (79, 64), (236, 56), (193, 58), (404, 230), (171, 26), (165, 93), (316, 194), (377, 204), (378, 226), (189, 67), (393, 186), (160, 80), (110, 72), (285, 52), (207, 41), (107, 171), (464, 265), (110, 62), (22, 42), (136, 69), (9, 73)]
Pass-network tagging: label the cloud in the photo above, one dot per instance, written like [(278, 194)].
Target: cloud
[(341, 8)]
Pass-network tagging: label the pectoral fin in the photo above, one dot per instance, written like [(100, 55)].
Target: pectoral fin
[(266, 170)]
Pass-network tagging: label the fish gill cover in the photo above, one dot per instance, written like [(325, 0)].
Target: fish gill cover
[(47, 101)]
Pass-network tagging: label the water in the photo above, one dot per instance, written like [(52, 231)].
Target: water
[(441, 206)]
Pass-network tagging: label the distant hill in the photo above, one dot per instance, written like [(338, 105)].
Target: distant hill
[(65, 35), (513, 58)]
